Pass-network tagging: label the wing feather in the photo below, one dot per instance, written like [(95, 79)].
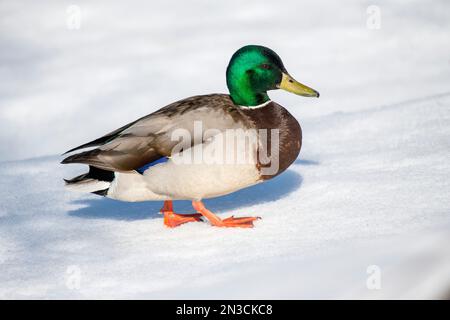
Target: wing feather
[(150, 138)]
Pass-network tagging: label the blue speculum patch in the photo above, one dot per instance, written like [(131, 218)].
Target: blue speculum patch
[(150, 164)]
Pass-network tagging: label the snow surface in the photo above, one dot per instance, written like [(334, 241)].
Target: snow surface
[(371, 185)]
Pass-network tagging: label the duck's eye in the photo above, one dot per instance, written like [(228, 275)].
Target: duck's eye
[(266, 66)]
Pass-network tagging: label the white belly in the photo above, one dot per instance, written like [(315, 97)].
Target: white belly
[(187, 181), (132, 187)]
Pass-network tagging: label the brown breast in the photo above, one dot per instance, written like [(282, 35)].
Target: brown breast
[(274, 116)]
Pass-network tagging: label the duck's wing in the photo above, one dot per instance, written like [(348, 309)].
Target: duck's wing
[(150, 138)]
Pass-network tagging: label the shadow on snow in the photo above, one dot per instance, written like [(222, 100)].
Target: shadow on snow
[(277, 188)]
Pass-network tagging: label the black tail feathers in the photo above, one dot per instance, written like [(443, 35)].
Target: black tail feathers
[(96, 181), (94, 174)]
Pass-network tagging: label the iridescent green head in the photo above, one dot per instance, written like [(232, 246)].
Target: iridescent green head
[(253, 70)]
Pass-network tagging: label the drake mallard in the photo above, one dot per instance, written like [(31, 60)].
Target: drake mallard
[(141, 160)]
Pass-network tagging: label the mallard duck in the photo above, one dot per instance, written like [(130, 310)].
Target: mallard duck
[(141, 160)]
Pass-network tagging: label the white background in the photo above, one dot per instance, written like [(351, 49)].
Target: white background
[(370, 187)]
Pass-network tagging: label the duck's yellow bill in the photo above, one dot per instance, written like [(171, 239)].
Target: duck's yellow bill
[(290, 84)]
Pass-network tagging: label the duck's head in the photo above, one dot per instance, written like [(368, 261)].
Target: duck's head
[(254, 70)]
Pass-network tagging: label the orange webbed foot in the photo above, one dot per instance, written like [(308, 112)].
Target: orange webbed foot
[(241, 222), (231, 222), (172, 219)]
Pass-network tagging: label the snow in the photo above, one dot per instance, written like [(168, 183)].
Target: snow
[(370, 187)]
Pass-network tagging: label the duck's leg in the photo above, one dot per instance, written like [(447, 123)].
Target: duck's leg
[(172, 219), (243, 222)]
